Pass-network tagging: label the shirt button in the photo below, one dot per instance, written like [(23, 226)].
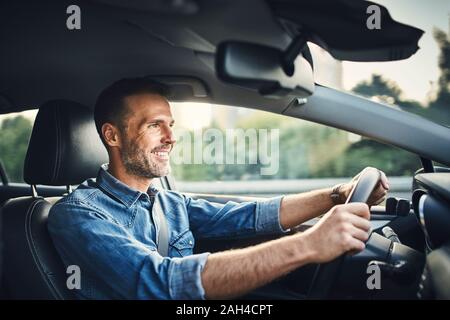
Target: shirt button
[(190, 242)]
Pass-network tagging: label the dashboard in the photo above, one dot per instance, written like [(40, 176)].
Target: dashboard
[(431, 204)]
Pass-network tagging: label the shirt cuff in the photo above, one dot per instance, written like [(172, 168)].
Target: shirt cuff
[(185, 281), (268, 216)]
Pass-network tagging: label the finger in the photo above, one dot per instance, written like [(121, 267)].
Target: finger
[(356, 246), (384, 180), (379, 201), (378, 195), (359, 234), (360, 223), (358, 208)]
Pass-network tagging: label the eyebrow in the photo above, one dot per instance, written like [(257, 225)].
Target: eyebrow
[(146, 122), (159, 121)]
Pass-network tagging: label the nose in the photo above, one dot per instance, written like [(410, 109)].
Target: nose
[(167, 135)]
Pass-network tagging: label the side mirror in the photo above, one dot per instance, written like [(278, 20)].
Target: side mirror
[(264, 69)]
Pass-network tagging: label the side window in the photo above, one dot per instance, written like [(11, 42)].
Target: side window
[(15, 132), (239, 151)]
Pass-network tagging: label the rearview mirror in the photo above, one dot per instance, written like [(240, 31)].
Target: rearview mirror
[(262, 68)]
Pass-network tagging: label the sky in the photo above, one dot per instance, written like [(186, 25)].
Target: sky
[(413, 75), (30, 114)]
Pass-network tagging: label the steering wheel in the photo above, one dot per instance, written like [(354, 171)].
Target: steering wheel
[(327, 274)]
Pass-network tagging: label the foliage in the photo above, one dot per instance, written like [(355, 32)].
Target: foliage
[(439, 108), (14, 136)]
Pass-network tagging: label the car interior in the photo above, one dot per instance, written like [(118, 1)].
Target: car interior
[(187, 48)]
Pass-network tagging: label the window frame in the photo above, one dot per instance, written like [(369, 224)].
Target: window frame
[(3, 174)]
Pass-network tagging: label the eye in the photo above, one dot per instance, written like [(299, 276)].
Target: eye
[(153, 125)]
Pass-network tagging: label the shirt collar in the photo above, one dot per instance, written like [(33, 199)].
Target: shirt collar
[(120, 190)]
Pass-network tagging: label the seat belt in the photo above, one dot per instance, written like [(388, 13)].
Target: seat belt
[(163, 234)]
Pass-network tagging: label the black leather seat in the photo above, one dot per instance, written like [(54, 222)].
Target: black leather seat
[(64, 149)]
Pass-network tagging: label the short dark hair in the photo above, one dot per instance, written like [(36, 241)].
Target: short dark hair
[(111, 107)]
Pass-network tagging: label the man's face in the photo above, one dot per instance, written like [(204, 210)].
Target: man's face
[(147, 136)]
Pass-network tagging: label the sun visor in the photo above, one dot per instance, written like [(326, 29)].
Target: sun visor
[(351, 30)]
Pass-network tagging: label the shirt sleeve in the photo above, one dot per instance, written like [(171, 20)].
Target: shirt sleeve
[(127, 267), (214, 220)]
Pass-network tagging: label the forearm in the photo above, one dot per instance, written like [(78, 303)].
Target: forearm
[(298, 208), (233, 273)]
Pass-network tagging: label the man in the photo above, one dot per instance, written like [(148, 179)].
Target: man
[(108, 228)]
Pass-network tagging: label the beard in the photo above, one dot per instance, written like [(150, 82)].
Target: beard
[(139, 162)]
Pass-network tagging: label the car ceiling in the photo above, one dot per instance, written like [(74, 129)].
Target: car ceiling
[(42, 60)]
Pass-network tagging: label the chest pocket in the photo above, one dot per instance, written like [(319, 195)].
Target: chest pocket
[(183, 244)]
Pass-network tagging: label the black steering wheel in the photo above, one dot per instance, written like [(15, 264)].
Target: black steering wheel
[(326, 274)]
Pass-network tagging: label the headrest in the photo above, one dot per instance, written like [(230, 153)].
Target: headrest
[(64, 147)]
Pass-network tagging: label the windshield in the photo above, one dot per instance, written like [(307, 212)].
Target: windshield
[(419, 84)]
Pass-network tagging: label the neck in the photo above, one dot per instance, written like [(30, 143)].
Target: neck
[(135, 182)]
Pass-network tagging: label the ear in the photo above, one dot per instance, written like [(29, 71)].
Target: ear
[(111, 135)]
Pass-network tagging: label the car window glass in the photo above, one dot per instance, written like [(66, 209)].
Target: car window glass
[(240, 151), (15, 132), (419, 84)]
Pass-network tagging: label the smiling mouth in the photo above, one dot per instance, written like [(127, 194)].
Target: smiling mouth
[(161, 155)]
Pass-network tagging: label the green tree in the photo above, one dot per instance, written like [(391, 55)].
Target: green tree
[(394, 161), (387, 91), (14, 136), (439, 108), (378, 86), (366, 152)]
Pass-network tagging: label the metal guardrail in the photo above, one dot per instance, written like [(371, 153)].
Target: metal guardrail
[(399, 186)]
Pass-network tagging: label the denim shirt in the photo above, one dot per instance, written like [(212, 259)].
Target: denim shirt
[(107, 229)]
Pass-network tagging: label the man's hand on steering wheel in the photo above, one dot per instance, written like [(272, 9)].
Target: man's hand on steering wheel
[(346, 227), (377, 196), (342, 229)]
